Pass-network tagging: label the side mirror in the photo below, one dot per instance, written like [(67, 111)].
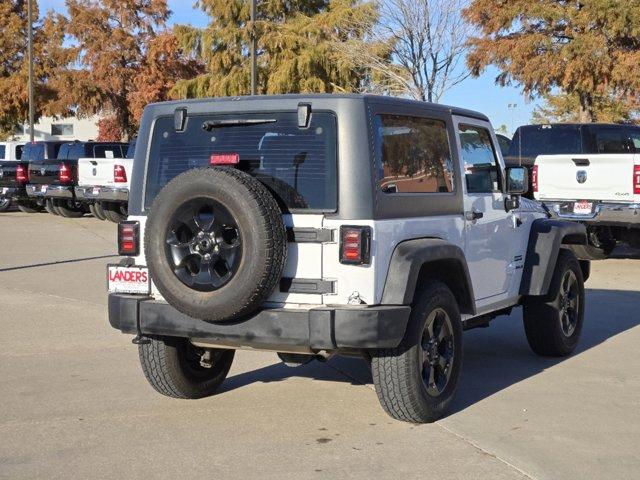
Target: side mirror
[(517, 179)]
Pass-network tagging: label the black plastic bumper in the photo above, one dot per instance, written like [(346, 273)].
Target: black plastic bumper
[(324, 328)]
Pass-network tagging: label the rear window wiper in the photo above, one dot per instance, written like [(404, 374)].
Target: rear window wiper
[(211, 124)]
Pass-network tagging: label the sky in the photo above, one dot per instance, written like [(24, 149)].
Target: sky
[(481, 94)]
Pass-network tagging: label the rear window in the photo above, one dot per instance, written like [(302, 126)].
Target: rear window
[(297, 164), (33, 151), (3, 151), (535, 140)]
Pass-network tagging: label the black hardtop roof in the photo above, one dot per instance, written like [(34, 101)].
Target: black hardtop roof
[(348, 97)]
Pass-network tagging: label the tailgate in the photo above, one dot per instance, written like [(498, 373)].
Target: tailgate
[(604, 177), (46, 172), (8, 173), (95, 171)]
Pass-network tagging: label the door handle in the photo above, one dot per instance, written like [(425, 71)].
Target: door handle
[(473, 215)]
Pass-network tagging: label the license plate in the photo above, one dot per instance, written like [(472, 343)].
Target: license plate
[(95, 191), (5, 190), (128, 280), (583, 208)]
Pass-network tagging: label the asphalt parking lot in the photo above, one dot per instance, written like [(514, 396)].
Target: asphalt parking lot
[(74, 402)]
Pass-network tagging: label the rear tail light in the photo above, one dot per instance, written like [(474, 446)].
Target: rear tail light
[(129, 238), (64, 173), (22, 174), (636, 180), (355, 245), (534, 178), (119, 174), (224, 159)]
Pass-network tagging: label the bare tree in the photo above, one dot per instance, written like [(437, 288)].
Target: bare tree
[(427, 42)]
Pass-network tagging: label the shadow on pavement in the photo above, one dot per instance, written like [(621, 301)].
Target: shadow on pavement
[(494, 358)]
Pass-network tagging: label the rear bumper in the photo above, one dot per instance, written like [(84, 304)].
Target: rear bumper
[(103, 194), (604, 213), (52, 191), (286, 330)]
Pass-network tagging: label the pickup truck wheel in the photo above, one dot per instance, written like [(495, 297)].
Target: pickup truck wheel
[(49, 207), (553, 322), (26, 206), (99, 211), (416, 381), (114, 212), (215, 243), (68, 208), (174, 368), (5, 203)]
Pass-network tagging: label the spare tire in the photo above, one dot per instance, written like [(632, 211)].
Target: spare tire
[(215, 243)]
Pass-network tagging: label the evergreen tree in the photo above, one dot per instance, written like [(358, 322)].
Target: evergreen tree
[(586, 48), (296, 46)]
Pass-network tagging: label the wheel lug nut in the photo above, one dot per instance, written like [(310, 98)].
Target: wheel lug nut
[(201, 234), (207, 257)]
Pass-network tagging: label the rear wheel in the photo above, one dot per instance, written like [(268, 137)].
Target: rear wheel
[(50, 207), (416, 381), (28, 206), (601, 244), (68, 208), (553, 323), (99, 211), (176, 368), (5, 204), (115, 212)]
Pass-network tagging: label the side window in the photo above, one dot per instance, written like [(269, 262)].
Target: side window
[(634, 136), (479, 160), (611, 141), (19, 149), (415, 155), (3, 150)]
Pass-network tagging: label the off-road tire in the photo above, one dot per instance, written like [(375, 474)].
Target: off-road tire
[(27, 206), (99, 211), (66, 209), (114, 212), (263, 237), (172, 369), (542, 315), (397, 372)]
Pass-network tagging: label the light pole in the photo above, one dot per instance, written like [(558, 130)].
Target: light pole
[(253, 48), (31, 104)]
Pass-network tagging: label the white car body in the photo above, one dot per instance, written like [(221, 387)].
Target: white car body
[(10, 151)]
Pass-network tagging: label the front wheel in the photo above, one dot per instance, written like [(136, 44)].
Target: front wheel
[(416, 381), (176, 368), (553, 323)]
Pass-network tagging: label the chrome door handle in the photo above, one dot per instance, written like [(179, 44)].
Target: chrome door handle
[(473, 215)]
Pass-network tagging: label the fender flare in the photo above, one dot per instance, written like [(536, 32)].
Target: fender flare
[(545, 240), (407, 262)]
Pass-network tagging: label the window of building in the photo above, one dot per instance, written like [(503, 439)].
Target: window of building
[(62, 129), (414, 155), (479, 159)]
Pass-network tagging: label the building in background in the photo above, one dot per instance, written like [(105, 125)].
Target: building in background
[(71, 128)]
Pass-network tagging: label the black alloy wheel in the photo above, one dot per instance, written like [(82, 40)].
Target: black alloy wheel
[(204, 245), (437, 352), (569, 303)]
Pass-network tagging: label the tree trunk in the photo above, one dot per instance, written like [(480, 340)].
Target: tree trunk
[(587, 111)]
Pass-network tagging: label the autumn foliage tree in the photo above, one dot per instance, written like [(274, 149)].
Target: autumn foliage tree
[(50, 58), (296, 46), (585, 48), (125, 58)]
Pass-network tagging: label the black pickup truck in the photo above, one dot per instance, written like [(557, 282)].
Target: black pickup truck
[(55, 180), (14, 175)]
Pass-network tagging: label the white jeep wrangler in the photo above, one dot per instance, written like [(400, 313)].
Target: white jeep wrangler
[(333, 224)]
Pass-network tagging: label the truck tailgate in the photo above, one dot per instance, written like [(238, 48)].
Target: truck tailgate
[(95, 171), (603, 177)]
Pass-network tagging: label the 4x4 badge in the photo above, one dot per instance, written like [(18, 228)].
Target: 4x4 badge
[(581, 176)]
